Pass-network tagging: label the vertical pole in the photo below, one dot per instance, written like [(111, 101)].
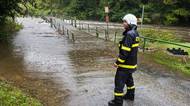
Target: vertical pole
[(75, 23), (105, 34), (73, 37), (67, 32), (115, 37), (142, 17), (88, 28), (51, 22), (144, 45), (79, 26), (72, 22), (107, 18), (59, 27), (97, 34), (63, 30)]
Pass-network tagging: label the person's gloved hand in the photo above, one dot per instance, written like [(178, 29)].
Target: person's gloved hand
[(115, 65)]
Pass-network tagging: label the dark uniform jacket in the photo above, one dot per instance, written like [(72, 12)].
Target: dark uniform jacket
[(128, 48)]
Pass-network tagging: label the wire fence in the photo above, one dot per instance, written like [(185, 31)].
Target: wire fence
[(108, 32)]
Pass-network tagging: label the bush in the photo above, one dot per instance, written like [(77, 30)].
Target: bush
[(8, 28)]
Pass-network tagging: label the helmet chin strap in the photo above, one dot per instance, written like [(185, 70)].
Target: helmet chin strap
[(131, 27)]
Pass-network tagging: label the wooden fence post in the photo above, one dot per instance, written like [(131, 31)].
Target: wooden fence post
[(97, 34), (115, 37), (73, 38), (63, 29), (88, 28), (144, 45)]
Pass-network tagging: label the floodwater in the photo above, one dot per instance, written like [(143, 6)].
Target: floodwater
[(60, 72), (36, 59)]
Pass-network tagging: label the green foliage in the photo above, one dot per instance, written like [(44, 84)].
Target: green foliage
[(11, 96), (8, 28), (159, 34), (10, 8), (170, 19), (86, 7), (168, 12)]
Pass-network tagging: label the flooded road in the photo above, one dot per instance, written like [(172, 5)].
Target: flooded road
[(60, 72), (36, 60)]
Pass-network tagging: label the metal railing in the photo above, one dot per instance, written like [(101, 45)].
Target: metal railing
[(161, 41), (81, 26)]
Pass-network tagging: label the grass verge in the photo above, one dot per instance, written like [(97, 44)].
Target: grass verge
[(11, 96), (159, 53), (174, 63)]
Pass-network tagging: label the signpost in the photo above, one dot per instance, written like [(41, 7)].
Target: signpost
[(142, 16), (107, 20)]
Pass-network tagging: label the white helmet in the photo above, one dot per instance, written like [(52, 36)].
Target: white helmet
[(130, 19)]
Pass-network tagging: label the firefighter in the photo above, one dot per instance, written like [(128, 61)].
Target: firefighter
[(126, 62)]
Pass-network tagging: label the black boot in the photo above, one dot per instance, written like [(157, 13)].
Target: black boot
[(118, 101), (129, 97)]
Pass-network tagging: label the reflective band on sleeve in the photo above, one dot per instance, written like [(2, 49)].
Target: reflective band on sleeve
[(133, 87), (125, 48), (120, 60), (118, 94), (128, 66), (135, 45)]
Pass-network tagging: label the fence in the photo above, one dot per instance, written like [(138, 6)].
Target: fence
[(111, 33), (61, 29), (114, 32)]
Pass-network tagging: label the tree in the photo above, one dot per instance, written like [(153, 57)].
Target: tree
[(10, 8), (156, 11)]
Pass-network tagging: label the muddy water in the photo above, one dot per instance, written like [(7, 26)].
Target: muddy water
[(36, 60)]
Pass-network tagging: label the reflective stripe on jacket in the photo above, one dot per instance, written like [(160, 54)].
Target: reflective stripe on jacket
[(128, 48)]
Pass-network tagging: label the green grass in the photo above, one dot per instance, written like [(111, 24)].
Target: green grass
[(159, 34), (161, 56), (175, 63), (11, 96)]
